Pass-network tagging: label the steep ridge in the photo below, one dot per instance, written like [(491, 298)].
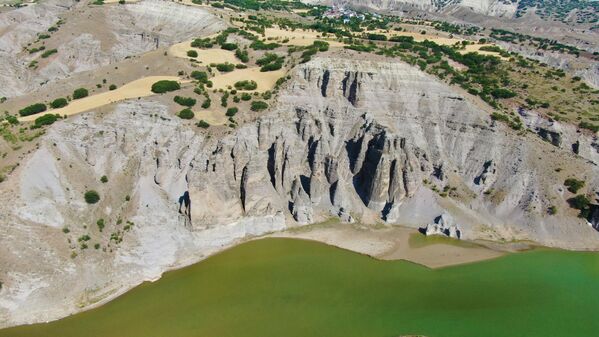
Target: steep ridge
[(367, 141)]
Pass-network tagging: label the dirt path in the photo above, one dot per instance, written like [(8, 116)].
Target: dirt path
[(138, 88)]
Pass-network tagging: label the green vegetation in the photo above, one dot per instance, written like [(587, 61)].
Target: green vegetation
[(112, 87), (46, 119), (228, 46), (59, 103), (104, 179), (242, 55), (100, 223), (202, 43), (540, 293), (231, 111), (581, 203), (200, 76), (574, 184), (203, 124), (91, 197), (246, 85), (33, 109), (225, 67), (186, 114), (165, 86), (192, 53), (80, 93), (270, 62), (48, 53), (258, 106), (246, 96), (185, 101), (260, 45)]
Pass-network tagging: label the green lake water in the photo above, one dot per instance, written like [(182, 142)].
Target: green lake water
[(286, 288)]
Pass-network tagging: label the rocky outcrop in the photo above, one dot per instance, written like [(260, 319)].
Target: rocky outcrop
[(445, 226)]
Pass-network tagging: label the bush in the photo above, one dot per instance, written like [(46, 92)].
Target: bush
[(225, 67), (245, 96), (186, 114), (258, 105), (502, 93), (231, 111), (33, 109), (202, 43), (228, 46), (59, 103), (581, 203), (46, 119), (242, 55), (100, 224), (259, 45), (91, 197), (206, 103), (80, 93), (185, 101), (201, 76), (203, 124), (47, 53), (104, 179), (573, 184), (112, 87), (246, 85), (165, 86), (192, 53)]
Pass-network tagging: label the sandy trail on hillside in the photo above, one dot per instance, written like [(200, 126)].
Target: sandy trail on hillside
[(138, 88), (298, 37), (211, 117), (265, 80), (205, 56), (392, 244)]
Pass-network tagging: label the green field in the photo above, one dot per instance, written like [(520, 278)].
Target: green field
[(286, 287)]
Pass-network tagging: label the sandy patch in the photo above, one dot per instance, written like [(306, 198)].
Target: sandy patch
[(392, 244), (211, 117), (299, 37), (265, 80), (476, 48), (138, 88), (116, 1), (205, 56)]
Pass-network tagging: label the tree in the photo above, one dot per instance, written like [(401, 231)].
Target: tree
[(192, 53), (258, 106), (80, 93), (203, 124), (231, 111), (186, 114), (33, 109), (59, 103), (165, 86), (46, 119), (91, 197), (185, 101)]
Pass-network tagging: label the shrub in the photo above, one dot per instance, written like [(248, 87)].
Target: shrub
[(552, 210), (104, 179), (258, 105), (185, 101), (228, 46), (206, 103), (80, 93), (259, 45), (47, 53), (112, 87), (242, 55), (59, 103), (581, 203), (100, 224), (203, 124), (91, 197), (165, 86), (201, 76), (225, 67), (573, 184), (589, 126), (502, 93), (186, 114), (33, 109), (231, 111), (192, 53), (46, 119), (246, 85), (246, 96), (202, 43)]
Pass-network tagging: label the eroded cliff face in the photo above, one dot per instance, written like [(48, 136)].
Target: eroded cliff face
[(367, 141), (89, 37)]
